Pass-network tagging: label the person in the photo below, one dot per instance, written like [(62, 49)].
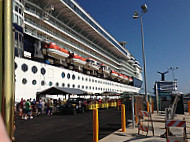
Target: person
[(3, 134), (28, 109), (43, 106), (39, 107), (23, 109)]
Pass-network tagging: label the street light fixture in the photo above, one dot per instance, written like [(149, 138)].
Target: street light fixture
[(172, 69), (136, 16)]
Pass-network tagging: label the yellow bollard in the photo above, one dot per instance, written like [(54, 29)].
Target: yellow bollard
[(95, 125), (136, 115), (152, 106), (189, 107), (123, 119), (148, 108)]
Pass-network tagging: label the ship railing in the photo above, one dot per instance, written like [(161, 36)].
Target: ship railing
[(53, 23), (78, 37)]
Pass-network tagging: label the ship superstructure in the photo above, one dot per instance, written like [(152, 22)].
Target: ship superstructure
[(57, 43)]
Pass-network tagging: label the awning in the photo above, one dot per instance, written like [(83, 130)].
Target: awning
[(61, 91)]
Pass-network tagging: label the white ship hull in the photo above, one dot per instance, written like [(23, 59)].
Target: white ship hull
[(53, 77)]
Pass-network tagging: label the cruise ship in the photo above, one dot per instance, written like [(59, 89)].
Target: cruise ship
[(57, 43)]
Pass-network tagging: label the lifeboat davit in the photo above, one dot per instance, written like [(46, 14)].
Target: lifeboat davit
[(104, 69), (126, 79), (76, 59), (130, 79), (53, 50), (91, 64), (114, 74)]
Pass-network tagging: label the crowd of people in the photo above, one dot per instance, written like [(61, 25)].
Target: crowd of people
[(30, 108)]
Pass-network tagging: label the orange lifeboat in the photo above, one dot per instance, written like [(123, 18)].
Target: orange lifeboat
[(104, 69), (120, 76), (76, 59), (91, 64), (53, 50), (130, 79), (126, 79), (114, 74)]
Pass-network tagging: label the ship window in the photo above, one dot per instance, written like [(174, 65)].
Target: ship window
[(92, 80), (16, 8), (86, 87), (82, 78), (63, 84), (78, 86), (73, 85), (42, 83), (68, 85), (89, 80), (82, 86), (78, 77), (34, 69), (43, 71), (68, 76), (34, 82), (50, 83), (57, 84), (96, 88), (24, 81), (89, 87), (86, 79), (24, 67), (95, 81), (63, 75), (73, 77), (15, 66)]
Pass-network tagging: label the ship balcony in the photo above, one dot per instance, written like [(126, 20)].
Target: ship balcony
[(69, 34)]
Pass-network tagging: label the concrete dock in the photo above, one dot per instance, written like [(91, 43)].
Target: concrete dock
[(131, 134)]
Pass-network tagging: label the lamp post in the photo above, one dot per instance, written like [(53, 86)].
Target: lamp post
[(136, 16)]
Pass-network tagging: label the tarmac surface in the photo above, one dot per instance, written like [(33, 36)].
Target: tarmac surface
[(67, 128), (131, 134)]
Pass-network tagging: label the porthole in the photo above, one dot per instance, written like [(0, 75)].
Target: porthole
[(15, 66), (42, 83), (43, 71), (24, 81), (63, 84), (86, 79), (90, 87), (83, 87), (78, 86), (86, 87), (82, 78), (78, 77), (92, 80), (93, 88), (89, 80), (73, 85), (50, 83), (63, 75), (95, 81), (57, 84), (73, 77), (34, 69), (96, 88), (34, 82), (68, 85), (24, 67), (68, 76)]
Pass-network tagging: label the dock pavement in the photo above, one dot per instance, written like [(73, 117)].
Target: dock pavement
[(131, 134)]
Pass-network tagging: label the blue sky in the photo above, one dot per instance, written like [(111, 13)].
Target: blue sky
[(166, 32)]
